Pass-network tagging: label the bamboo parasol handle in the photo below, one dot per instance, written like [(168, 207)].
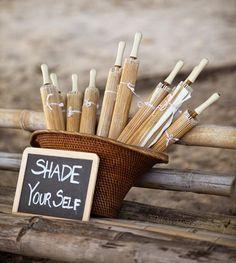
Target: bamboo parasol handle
[(214, 97), (54, 80), (120, 53), (45, 74), (197, 70), (136, 44), (92, 78), (74, 78), (174, 72)]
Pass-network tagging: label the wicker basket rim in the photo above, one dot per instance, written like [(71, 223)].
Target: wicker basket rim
[(149, 152)]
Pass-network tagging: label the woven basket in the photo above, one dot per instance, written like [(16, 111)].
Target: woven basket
[(119, 167)]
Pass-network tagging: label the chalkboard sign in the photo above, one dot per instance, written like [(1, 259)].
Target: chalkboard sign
[(56, 183)]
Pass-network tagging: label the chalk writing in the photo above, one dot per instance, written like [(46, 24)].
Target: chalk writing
[(56, 185)]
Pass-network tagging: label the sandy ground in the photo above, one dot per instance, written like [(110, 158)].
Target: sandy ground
[(73, 36)]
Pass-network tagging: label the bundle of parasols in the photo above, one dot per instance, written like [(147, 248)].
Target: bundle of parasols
[(158, 122)]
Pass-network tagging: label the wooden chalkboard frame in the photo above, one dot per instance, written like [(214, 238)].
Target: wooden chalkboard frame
[(60, 153)]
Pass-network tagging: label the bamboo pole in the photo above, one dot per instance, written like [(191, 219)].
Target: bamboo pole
[(74, 106), (10, 164), (120, 240), (199, 182), (62, 94), (188, 220), (159, 93), (110, 93), (89, 108), (166, 179), (22, 119), (172, 230), (202, 135), (153, 127), (148, 215), (51, 100), (211, 136), (183, 124), (125, 91)]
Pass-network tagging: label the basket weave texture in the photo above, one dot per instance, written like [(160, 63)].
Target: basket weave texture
[(119, 167)]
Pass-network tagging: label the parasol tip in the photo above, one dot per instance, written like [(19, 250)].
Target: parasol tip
[(74, 78), (92, 78), (203, 62), (54, 79), (197, 70), (136, 44), (174, 72), (44, 69), (120, 53), (213, 98)]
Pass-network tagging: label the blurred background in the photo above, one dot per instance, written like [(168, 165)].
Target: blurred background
[(74, 36)]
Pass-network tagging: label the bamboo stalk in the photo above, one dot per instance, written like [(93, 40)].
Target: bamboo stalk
[(200, 182), (74, 106), (154, 126), (122, 240), (125, 91), (159, 93), (10, 164), (202, 135), (183, 124), (51, 103), (22, 119), (220, 239), (210, 136), (89, 108), (190, 221), (149, 215), (110, 93)]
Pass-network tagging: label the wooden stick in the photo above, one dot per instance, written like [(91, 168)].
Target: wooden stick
[(62, 94), (183, 124), (200, 182), (89, 108), (159, 93), (154, 126), (110, 93), (125, 91), (74, 106), (52, 106)]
